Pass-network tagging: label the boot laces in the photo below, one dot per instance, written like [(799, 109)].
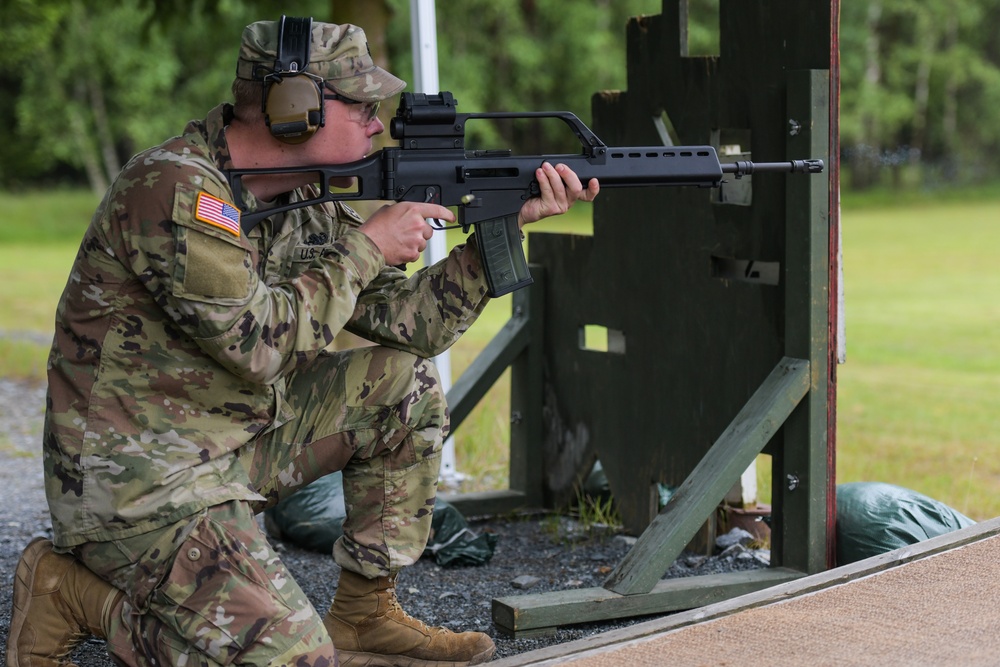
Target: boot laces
[(77, 637), (397, 608)]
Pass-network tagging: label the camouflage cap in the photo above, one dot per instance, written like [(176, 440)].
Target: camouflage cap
[(338, 53)]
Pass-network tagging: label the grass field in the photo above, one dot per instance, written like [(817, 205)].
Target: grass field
[(39, 236), (917, 399), (918, 396)]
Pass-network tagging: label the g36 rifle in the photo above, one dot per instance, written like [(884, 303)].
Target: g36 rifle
[(489, 187)]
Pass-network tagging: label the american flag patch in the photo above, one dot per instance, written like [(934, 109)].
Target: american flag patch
[(216, 212)]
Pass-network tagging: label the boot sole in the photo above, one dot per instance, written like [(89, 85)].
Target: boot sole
[(25, 582), (361, 659)]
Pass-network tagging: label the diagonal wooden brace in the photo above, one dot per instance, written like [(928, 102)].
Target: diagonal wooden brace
[(707, 485)]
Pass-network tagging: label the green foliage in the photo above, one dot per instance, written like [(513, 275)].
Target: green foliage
[(920, 83), (595, 511), (97, 82), (703, 27), (69, 86), (525, 56), (88, 84), (26, 24)]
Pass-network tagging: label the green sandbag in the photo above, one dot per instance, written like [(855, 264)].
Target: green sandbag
[(452, 542), (313, 518), (874, 517)]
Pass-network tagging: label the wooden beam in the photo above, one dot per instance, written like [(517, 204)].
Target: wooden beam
[(484, 371), (518, 346), (486, 502), (536, 613), (706, 486), (803, 498), (527, 377)]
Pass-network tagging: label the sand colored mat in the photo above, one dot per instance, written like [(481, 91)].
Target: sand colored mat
[(943, 608)]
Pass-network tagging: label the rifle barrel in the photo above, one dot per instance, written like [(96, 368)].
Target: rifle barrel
[(745, 167)]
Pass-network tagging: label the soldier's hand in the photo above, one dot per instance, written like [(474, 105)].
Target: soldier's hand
[(401, 231), (560, 187)]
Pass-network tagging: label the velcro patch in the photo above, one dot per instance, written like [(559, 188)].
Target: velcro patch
[(217, 213)]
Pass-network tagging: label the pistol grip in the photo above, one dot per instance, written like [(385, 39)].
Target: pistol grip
[(503, 258)]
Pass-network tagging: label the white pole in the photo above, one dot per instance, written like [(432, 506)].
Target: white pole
[(423, 30)]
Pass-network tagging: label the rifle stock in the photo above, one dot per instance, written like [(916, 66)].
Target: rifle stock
[(489, 187)]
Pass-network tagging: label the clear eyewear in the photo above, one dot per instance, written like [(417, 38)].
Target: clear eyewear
[(360, 112)]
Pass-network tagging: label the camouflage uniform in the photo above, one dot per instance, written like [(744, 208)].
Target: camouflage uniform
[(193, 382)]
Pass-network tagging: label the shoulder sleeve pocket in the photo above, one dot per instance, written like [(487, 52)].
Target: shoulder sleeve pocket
[(213, 260)]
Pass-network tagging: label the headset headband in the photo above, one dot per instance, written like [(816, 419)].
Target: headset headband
[(294, 38)]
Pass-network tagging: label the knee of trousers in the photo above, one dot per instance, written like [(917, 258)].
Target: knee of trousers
[(417, 384)]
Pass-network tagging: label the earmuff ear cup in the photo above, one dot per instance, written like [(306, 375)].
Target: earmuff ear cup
[(294, 108)]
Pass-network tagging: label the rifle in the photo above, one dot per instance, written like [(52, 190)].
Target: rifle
[(489, 187)]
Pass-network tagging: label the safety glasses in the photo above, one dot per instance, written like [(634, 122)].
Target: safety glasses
[(360, 112)]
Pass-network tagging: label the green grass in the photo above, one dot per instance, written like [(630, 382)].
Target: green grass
[(917, 399), (45, 216), (39, 236), (918, 396), (33, 277), (23, 360)]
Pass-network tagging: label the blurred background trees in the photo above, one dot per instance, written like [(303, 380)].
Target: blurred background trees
[(920, 90), (86, 84)]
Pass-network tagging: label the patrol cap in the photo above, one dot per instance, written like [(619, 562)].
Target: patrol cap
[(338, 53)]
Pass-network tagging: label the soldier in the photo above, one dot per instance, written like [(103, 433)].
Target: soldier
[(192, 384)]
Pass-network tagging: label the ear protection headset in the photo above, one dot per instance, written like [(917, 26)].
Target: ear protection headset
[(293, 98)]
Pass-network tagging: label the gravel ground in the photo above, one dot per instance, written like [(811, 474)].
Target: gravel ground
[(552, 549)]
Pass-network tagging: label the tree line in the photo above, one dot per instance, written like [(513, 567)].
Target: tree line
[(87, 84)]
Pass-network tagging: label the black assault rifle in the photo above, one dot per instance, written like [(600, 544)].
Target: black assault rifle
[(490, 186)]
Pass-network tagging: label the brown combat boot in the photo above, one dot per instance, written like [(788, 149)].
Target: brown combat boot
[(369, 627), (58, 603)]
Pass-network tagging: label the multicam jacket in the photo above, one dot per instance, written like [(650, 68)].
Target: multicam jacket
[(176, 330)]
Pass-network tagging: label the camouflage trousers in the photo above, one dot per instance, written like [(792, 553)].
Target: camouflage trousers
[(209, 590)]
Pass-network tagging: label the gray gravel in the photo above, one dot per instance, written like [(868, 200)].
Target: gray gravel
[(552, 549)]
